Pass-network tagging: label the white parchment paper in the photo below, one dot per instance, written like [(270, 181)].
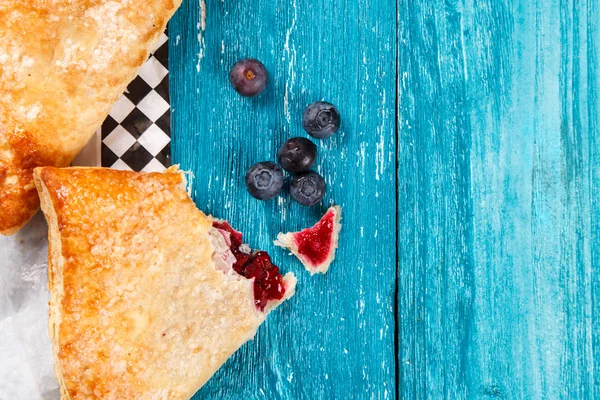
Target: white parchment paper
[(26, 367)]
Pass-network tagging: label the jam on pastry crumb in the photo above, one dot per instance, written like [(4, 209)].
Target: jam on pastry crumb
[(315, 243), (268, 282), (315, 246)]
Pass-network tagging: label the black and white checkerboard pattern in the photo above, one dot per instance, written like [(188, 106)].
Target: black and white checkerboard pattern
[(137, 133)]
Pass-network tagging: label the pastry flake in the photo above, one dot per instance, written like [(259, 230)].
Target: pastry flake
[(315, 246)]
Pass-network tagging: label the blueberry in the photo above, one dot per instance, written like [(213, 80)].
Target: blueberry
[(264, 180), (321, 119), (297, 154), (249, 77), (308, 188)]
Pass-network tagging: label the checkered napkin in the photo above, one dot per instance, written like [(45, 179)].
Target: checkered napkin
[(136, 135)]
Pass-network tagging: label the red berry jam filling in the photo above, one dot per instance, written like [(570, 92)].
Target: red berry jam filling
[(268, 282), (315, 243)]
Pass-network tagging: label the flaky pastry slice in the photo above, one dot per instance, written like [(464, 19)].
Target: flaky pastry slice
[(149, 296), (63, 64)]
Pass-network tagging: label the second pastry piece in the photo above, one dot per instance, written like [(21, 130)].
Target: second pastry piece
[(146, 301)]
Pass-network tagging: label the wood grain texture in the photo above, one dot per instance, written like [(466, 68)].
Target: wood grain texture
[(484, 169), (499, 201), (335, 338)]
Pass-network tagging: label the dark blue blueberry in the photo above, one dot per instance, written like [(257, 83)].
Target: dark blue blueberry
[(297, 154), (249, 77), (264, 180), (321, 120), (308, 188)]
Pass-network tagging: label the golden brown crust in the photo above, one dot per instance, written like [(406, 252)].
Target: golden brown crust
[(138, 308), (63, 63)]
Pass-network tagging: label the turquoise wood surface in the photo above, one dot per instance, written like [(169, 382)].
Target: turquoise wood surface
[(467, 168), (498, 222)]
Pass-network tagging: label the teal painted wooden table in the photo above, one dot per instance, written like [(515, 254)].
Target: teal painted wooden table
[(468, 170)]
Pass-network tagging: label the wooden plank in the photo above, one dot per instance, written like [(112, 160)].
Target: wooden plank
[(335, 338), (499, 200)]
